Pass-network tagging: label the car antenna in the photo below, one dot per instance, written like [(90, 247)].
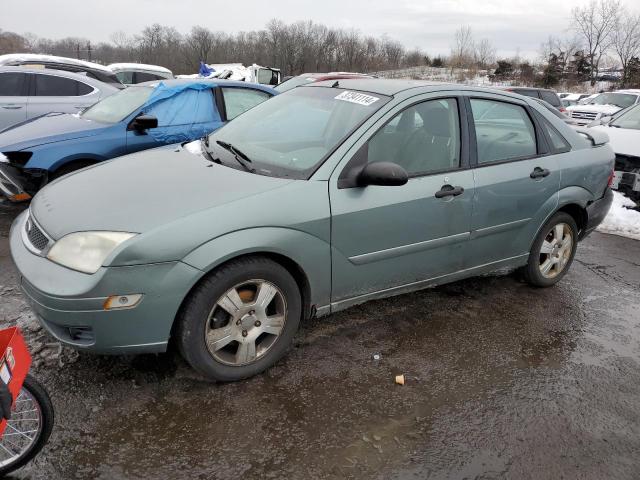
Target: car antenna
[(336, 84)]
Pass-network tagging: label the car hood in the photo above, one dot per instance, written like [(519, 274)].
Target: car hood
[(625, 141), (49, 128), (140, 192), (604, 109)]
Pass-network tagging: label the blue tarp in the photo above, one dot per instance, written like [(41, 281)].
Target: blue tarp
[(205, 70), (185, 112)]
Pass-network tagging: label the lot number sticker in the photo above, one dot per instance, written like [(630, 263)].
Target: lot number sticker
[(359, 98)]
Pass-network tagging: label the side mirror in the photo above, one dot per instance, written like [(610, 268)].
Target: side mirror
[(143, 122), (605, 119), (382, 173)]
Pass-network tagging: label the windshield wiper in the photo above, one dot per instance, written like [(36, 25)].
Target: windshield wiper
[(240, 157)]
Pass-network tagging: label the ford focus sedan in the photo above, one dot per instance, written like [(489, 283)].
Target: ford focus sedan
[(327, 196)]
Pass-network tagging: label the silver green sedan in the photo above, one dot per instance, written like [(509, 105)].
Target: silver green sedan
[(327, 196)]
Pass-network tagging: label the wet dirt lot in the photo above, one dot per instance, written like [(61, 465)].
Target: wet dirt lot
[(503, 381)]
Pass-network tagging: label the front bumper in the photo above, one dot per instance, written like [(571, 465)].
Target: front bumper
[(69, 304), (12, 183), (596, 212)]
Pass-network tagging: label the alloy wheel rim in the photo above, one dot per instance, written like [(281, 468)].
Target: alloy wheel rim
[(22, 430), (556, 250), (245, 322)]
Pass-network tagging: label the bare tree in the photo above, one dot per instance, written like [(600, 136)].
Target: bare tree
[(595, 23), (485, 53), (462, 51), (626, 42)]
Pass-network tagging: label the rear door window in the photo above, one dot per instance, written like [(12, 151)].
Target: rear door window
[(551, 98), (53, 86), (239, 100), (146, 77), (12, 84), (503, 130)]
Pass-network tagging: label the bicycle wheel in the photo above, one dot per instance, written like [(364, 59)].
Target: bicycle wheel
[(29, 427)]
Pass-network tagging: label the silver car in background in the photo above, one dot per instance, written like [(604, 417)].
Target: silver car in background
[(30, 92)]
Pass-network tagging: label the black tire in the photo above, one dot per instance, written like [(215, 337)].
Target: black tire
[(70, 168), (37, 391), (531, 272), (193, 317)]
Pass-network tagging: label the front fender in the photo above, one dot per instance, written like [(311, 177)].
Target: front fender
[(310, 253)]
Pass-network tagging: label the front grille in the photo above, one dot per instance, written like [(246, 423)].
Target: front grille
[(35, 236), (590, 116)]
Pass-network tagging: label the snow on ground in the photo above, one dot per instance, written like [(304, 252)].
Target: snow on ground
[(621, 220)]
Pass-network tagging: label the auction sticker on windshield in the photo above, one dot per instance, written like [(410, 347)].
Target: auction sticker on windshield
[(356, 97)]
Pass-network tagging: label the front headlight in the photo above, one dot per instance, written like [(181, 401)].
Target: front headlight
[(86, 251)]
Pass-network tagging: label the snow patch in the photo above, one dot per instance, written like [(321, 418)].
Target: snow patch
[(194, 147), (117, 67), (12, 58), (3, 159), (621, 220)]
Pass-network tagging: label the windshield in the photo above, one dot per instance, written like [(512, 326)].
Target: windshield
[(291, 134), (622, 100), (118, 106), (293, 83), (628, 119)]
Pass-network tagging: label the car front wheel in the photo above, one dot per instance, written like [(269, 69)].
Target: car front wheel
[(553, 251), (240, 320)]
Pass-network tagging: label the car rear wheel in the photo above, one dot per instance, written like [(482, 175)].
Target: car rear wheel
[(553, 251), (240, 320)]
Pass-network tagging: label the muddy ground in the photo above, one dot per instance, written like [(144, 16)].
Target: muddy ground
[(503, 381)]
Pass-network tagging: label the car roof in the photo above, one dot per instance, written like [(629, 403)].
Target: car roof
[(634, 91), (118, 67), (212, 81), (394, 87), (35, 58), (60, 73)]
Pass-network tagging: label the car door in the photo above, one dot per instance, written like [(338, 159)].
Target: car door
[(13, 98), (54, 93), (516, 178), (391, 237)]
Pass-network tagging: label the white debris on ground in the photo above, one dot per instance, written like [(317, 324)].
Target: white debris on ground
[(621, 220), (193, 147)]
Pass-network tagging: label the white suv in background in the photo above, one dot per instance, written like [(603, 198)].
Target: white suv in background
[(603, 105)]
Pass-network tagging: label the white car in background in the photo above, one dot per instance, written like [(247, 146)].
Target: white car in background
[(603, 105), (624, 137), (133, 73)]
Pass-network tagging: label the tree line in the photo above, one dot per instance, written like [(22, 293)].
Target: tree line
[(299, 47)]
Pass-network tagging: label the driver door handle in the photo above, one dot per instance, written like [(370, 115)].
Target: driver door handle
[(539, 173), (449, 191)]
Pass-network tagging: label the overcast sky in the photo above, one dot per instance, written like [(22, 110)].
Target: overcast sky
[(428, 24)]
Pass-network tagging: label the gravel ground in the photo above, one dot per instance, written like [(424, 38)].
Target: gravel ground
[(503, 381)]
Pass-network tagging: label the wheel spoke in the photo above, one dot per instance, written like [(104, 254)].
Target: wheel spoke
[(546, 248), (265, 295), (273, 325), (231, 302), (246, 352), (558, 232), (218, 338), (546, 266)]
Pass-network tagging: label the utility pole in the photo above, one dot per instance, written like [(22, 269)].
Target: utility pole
[(89, 50), (78, 51)]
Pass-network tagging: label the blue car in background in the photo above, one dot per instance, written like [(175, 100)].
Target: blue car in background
[(140, 117)]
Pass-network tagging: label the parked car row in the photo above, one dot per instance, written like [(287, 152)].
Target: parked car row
[(603, 105), (325, 196)]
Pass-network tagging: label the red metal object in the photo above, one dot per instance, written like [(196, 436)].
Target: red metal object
[(15, 361)]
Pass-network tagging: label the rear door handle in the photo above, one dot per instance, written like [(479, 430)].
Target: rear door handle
[(539, 172), (449, 191)]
